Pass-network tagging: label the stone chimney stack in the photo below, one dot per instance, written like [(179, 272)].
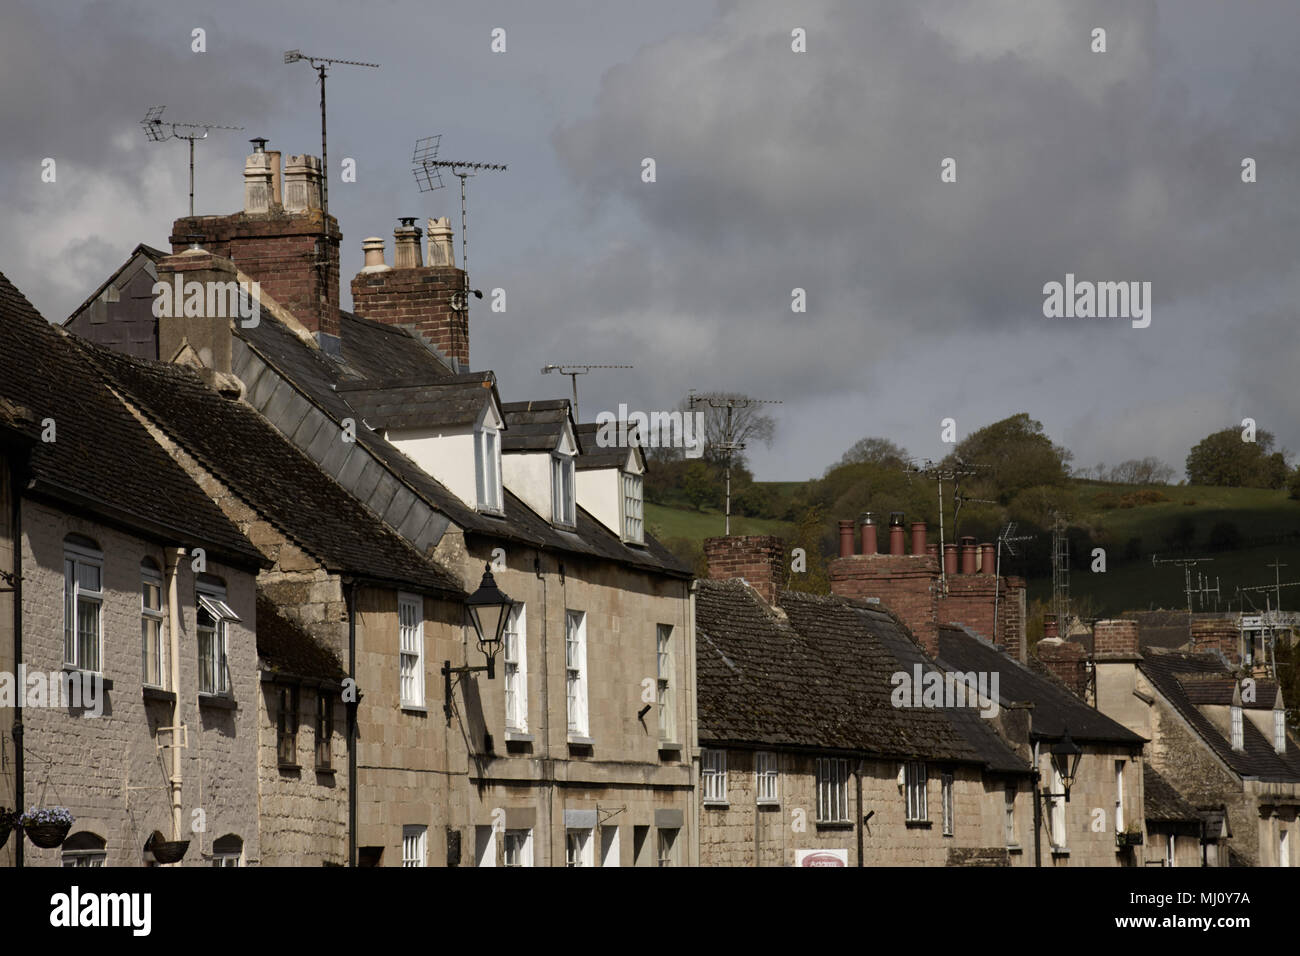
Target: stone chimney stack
[(302, 181), (406, 245), (202, 341), (259, 180), (759, 559), (441, 251)]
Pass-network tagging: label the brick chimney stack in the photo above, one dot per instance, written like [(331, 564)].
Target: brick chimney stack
[(759, 559), (285, 243), (1217, 634), (1116, 640), (419, 297)]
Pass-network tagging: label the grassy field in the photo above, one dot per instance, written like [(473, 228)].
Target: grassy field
[(698, 525)]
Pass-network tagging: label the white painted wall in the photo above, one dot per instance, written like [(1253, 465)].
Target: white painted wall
[(600, 492), (445, 453), (528, 475)]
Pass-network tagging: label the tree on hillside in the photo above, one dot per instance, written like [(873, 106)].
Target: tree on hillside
[(1224, 459), (875, 451), (1141, 471), (1012, 455)]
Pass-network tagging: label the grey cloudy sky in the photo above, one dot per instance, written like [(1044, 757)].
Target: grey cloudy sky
[(775, 170)]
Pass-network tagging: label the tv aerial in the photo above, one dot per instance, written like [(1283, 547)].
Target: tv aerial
[(728, 443), (159, 131), (321, 65), (573, 371), (427, 168)]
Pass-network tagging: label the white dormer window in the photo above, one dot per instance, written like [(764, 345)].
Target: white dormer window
[(633, 507), (487, 467), (1279, 730), (562, 498), (1238, 732)]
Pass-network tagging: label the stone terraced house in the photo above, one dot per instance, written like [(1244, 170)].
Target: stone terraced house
[(805, 759), (579, 749), (1218, 738), (128, 662)]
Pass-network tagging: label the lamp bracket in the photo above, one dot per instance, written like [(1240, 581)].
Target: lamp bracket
[(451, 676)]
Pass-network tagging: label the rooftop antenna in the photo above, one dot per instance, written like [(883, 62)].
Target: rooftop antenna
[(940, 473), (573, 371), (728, 443), (427, 168), (159, 131), (1187, 564), (321, 65), (1007, 539)]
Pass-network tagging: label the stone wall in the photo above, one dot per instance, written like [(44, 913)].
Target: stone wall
[(108, 770), (742, 833)]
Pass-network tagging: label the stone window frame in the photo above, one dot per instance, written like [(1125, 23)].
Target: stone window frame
[(415, 845), (210, 599), (153, 619), (832, 779), (668, 845), (578, 846), (514, 656), (287, 719), (80, 553), (410, 651), (664, 663), (713, 777), (518, 843), (767, 779), (917, 797), (324, 744)]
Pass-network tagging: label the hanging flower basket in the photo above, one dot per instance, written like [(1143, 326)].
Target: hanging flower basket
[(1126, 838), (166, 851), (46, 827)]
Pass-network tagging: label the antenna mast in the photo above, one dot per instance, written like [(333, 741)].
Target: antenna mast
[(940, 474), (158, 132), (321, 65), (1006, 539), (427, 168), (729, 443), (573, 371)]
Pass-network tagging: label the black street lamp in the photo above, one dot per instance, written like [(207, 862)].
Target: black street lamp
[(1065, 759), (488, 610)]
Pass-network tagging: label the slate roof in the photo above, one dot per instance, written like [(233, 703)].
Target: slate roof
[(454, 401), (270, 473), (285, 649), (102, 460), (1171, 671), (317, 375), (996, 754), (534, 426), (1055, 709), (595, 455), (1162, 803), (376, 351), (815, 674), (155, 255)]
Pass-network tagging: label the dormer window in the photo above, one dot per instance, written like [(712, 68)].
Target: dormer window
[(562, 497), (633, 508), (1279, 730), (487, 467), (1238, 732)]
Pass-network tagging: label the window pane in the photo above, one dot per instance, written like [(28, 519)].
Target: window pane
[(88, 634)]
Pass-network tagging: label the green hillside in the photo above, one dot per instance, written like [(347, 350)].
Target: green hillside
[(1242, 530)]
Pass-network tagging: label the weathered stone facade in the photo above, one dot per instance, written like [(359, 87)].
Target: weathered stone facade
[(744, 833), (112, 771)]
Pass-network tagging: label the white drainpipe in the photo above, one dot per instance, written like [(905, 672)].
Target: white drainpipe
[(174, 629)]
